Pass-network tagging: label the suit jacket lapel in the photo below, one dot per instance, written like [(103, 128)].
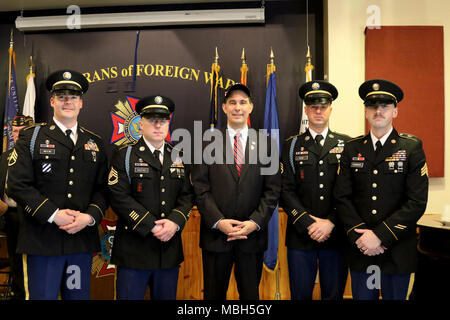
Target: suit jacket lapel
[(309, 143), (54, 132), (81, 140), (167, 159), (144, 153), (388, 147), (330, 142), (250, 144), (368, 151)]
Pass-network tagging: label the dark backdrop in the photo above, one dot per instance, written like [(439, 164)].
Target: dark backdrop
[(108, 52)]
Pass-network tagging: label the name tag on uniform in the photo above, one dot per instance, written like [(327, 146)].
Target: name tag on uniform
[(301, 158), (356, 164), (46, 151), (141, 169)]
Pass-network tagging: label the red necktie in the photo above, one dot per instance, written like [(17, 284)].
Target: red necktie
[(238, 153)]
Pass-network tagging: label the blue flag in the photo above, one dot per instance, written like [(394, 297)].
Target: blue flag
[(11, 104), (272, 126)]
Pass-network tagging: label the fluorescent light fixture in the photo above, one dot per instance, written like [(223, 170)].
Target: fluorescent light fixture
[(141, 19)]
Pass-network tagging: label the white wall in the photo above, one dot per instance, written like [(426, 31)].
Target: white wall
[(347, 20)]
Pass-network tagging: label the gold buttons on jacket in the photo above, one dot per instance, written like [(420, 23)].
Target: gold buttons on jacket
[(374, 211), (374, 198), (69, 195), (375, 171)]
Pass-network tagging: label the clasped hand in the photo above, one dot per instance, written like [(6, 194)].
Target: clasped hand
[(71, 221), (164, 229), (235, 229), (368, 243)]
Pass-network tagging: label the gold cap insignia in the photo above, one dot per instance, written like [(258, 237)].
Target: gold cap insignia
[(376, 86), (67, 75), (315, 86), (158, 100)]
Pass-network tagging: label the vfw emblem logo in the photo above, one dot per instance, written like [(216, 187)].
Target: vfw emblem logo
[(125, 120), (101, 261)]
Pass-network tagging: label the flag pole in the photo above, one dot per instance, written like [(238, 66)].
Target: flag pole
[(270, 70)]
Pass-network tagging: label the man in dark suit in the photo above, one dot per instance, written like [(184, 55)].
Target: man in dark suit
[(310, 162), (381, 192), (10, 215), (236, 200), (57, 174), (152, 195)]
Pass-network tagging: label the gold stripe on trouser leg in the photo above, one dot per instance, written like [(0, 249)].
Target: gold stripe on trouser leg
[(115, 283), (25, 276), (411, 284)]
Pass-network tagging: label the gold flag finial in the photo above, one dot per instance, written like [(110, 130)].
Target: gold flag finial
[(30, 63), (11, 38), (272, 56), (216, 57), (243, 56)]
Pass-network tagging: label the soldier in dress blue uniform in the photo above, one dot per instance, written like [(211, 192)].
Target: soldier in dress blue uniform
[(310, 163), (381, 192), (57, 175), (152, 195)]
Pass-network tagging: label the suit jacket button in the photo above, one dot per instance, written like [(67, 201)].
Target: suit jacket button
[(69, 195), (374, 198), (321, 162), (72, 157), (163, 202), (162, 177), (321, 174), (375, 171), (163, 215), (70, 182), (321, 198), (374, 185), (374, 211), (321, 186), (71, 170), (163, 190)]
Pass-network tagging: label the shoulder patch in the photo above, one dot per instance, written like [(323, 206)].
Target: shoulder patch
[(35, 125), (94, 134)]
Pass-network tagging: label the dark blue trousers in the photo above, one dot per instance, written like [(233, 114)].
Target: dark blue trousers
[(303, 266), (131, 284), (393, 286), (45, 277)]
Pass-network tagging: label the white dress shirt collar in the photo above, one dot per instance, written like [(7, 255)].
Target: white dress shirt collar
[(382, 140)]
